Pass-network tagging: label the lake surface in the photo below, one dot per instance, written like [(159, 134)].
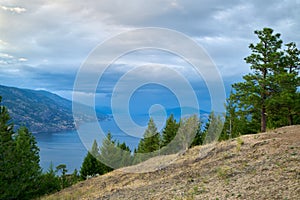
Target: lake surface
[(61, 148), (70, 148)]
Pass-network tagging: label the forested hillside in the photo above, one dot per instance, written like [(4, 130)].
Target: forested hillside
[(40, 111)]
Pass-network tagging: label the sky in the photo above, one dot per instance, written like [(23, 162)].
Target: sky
[(43, 44)]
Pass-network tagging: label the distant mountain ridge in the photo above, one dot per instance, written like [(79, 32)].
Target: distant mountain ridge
[(179, 112), (39, 110)]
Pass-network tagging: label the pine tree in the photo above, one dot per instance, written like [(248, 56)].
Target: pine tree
[(19, 161), (198, 140), (187, 131), (258, 87), (270, 93), (114, 154), (49, 182), (75, 177), (149, 146), (28, 169), (108, 153), (170, 130), (7, 156), (151, 139), (124, 154), (212, 129), (236, 122), (91, 165), (285, 97), (62, 168)]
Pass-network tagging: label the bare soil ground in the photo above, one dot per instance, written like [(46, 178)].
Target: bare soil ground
[(260, 166)]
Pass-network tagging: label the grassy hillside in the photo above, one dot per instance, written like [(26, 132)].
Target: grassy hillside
[(260, 166)]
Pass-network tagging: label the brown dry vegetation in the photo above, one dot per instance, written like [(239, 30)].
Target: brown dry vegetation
[(260, 166)]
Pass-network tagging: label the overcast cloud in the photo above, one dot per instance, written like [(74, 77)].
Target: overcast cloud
[(43, 43)]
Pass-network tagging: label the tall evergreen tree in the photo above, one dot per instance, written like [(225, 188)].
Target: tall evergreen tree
[(149, 145), (91, 165), (187, 131), (28, 168), (49, 182), (269, 94), (7, 156), (285, 97), (198, 140), (236, 122), (212, 129), (62, 168), (123, 153), (170, 130), (151, 139), (19, 161), (257, 89), (108, 153), (114, 154)]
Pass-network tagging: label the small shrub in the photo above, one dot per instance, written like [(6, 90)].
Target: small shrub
[(240, 142), (223, 173)]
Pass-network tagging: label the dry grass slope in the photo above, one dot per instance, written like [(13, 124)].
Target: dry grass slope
[(261, 166)]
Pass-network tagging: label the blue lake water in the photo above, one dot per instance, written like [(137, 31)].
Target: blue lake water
[(70, 148), (61, 148)]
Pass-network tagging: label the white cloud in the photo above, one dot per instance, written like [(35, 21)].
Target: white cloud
[(3, 43), (22, 59), (5, 55), (13, 9)]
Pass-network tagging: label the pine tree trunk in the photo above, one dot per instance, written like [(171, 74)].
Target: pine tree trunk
[(290, 117), (264, 97), (263, 119)]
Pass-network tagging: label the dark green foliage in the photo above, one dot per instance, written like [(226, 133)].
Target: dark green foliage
[(111, 155), (212, 128), (74, 177), (66, 180), (149, 145), (268, 97), (285, 97), (7, 156), (170, 130), (236, 121), (187, 132), (108, 154), (114, 154), (123, 153), (20, 173), (151, 139), (185, 136), (123, 146), (198, 140), (91, 164), (49, 182), (62, 168), (28, 168), (19, 163), (258, 87)]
